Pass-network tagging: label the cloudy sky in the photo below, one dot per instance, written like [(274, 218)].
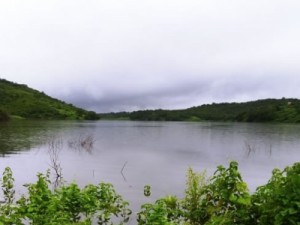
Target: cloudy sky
[(114, 55)]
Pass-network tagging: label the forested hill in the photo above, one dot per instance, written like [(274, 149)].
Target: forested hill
[(267, 110), (18, 100)]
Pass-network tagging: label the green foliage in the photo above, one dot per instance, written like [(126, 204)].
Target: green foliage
[(278, 202), (66, 205), (3, 115), (171, 210), (147, 190), (22, 101), (227, 196), (90, 115), (224, 199), (8, 211), (165, 211), (267, 110), (192, 211)]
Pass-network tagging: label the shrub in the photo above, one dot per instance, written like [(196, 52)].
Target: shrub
[(192, 211), (278, 202), (224, 199), (66, 205), (227, 197)]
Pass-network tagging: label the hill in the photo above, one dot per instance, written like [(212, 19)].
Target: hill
[(266, 110), (18, 100)]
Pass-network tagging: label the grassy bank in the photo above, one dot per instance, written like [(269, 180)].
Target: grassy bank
[(20, 101)]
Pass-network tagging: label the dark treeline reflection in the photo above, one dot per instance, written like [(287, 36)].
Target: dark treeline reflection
[(24, 135)]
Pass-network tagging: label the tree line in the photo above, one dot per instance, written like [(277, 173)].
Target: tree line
[(267, 110)]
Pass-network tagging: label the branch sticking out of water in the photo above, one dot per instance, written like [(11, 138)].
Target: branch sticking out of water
[(270, 150), (122, 171), (55, 145), (249, 148), (82, 143)]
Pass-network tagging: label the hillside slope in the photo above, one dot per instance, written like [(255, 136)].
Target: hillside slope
[(266, 110), (21, 101)]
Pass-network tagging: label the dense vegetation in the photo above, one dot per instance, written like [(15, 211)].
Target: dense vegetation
[(3, 115), (268, 110), (223, 199), (21, 101)]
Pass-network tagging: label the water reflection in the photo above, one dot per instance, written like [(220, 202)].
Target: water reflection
[(24, 135), (20, 136)]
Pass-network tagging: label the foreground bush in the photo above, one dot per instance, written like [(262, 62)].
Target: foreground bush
[(278, 202), (223, 199), (66, 205)]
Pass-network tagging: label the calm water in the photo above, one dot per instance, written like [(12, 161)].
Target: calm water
[(155, 153)]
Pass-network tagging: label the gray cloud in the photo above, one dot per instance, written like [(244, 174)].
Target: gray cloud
[(126, 55)]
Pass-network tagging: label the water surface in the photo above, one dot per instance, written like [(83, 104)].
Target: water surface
[(132, 154)]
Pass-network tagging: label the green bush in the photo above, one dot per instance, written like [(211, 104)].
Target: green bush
[(165, 211), (223, 199), (278, 202), (192, 211), (65, 205), (227, 197)]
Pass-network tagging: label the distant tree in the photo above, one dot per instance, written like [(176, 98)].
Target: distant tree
[(91, 115)]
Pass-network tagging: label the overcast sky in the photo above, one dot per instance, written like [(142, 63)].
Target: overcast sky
[(114, 55)]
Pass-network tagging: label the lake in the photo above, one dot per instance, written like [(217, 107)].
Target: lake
[(133, 154)]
